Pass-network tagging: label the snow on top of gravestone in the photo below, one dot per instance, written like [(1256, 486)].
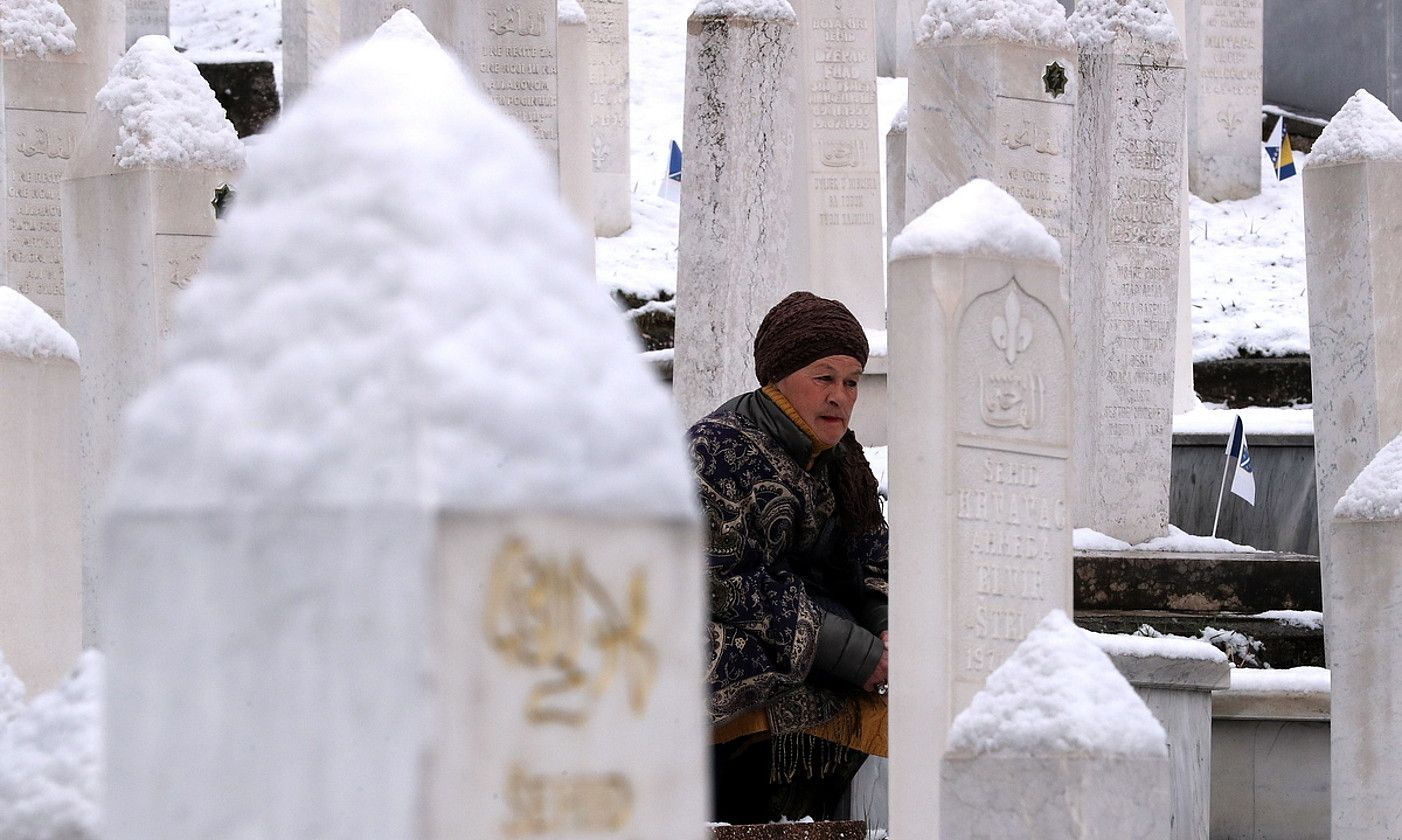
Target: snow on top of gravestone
[(1098, 22), (1057, 694), (399, 311), (1163, 647), (570, 12), (1039, 23), (405, 24), (1364, 129), (978, 219), (29, 332), (51, 760), (780, 10), (1376, 494), (36, 27), (168, 116)]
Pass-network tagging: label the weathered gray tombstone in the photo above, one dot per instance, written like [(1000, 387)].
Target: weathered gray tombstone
[(139, 200), (147, 17), (576, 153), (1365, 663), (980, 437), (52, 68), (1224, 47), (1125, 260), (1176, 678), (837, 211), (739, 118), (358, 575), (1353, 236), (992, 95), (896, 140), (1057, 745), (41, 586), (610, 145)]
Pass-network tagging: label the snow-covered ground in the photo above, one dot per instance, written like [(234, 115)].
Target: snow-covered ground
[(1248, 257)]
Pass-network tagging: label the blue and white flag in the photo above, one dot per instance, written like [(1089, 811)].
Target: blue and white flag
[(1281, 154), (672, 185), (1243, 481)]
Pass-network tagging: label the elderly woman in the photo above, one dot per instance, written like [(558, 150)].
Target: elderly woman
[(797, 564)]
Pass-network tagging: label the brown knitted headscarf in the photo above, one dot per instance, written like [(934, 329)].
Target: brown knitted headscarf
[(801, 329)]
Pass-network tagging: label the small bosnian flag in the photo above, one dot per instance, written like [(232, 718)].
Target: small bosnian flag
[(1281, 155), (672, 185), (1243, 481)]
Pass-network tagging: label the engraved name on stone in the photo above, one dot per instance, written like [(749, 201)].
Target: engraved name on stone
[(147, 15), (1229, 65), (555, 803), (1012, 509), (608, 82), (41, 144), (841, 102), (1033, 154), (520, 65)]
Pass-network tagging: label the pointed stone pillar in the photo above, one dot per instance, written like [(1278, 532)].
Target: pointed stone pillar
[(1353, 236), (896, 142), (576, 155), (51, 73), (138, 212), (358, 575), (739, 114), (1124, 301), (1365, 665), (980, 395), (41, 594), (1224, 45)]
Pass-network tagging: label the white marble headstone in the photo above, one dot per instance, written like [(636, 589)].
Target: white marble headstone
[(575, 110), (739, 118), (147, 17), (1125, 261), (1224, 48), (610, 143), (49, 81), (359, 577), (999, 106), (980, 436), (1353, 236), (41, 597), (138, 213), (1365, 778), (837, 224)]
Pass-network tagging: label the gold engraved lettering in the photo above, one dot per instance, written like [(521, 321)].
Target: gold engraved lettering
[(555, 616), (566, 804)]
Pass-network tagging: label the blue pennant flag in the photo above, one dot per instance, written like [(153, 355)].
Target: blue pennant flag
[(672, 185), (1243, 480)]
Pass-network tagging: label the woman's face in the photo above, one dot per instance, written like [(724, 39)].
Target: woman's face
[(823, 394)]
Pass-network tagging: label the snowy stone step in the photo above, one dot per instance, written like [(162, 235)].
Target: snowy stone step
[(827, 830), (1283, 645), (1206, 584), (1254, 380)]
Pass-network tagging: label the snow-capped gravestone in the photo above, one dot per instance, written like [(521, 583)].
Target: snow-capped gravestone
[(739, 134), (896, 141), (576, 155), (1125, 259), (1056, 745), (980, 394), (1365, 664), (147, 17), (610, 147), (139, 202), (1353, 236), (993, 95), (386, 560), (837, 213), (54, 61), (41, 587), (1224, 50), (896, 24)]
